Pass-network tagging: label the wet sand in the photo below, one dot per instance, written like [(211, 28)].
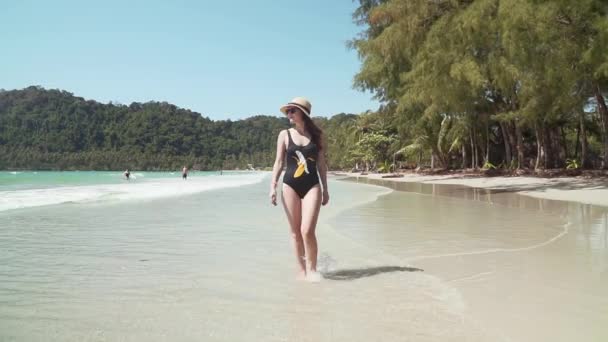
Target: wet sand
[(527, 268), (576, 189), (436, 263)]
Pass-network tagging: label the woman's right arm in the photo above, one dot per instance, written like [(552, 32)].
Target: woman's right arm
[(278, 167)]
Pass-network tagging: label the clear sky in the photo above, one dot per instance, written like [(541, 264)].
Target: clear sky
[(224, 59)]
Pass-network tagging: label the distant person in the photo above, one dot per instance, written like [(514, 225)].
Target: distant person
[(304, 184), (127, 174), (184, 172)]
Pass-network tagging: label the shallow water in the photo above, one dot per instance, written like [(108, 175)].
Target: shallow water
[(528, 269), (213, 262)]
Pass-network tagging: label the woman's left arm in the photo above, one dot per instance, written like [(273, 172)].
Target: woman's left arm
[(322, 166)]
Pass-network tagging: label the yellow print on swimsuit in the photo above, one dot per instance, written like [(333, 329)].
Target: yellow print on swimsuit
[(302, 164)]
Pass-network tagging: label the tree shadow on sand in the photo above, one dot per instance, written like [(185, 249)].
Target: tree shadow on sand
[(351, 274)]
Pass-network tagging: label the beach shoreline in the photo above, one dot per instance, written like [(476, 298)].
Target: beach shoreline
[(527, 255), (585, 190)]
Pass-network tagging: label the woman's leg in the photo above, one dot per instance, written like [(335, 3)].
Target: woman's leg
[(293, 209), (311, 203)]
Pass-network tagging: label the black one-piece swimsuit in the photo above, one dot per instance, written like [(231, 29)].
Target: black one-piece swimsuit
[(301, 173)]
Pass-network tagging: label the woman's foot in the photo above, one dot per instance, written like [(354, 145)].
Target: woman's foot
[(301, 275), (313, 276)]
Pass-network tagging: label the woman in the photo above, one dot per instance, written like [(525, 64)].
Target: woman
[(303, 148)]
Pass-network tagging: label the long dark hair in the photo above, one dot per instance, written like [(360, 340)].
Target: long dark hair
[(315, 132)]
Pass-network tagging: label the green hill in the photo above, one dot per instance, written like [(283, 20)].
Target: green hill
[(53, 129)]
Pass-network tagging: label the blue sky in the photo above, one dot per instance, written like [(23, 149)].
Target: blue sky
[(223, 59)]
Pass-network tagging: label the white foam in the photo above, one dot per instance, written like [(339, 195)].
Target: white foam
[(151, 189), (313, 277)]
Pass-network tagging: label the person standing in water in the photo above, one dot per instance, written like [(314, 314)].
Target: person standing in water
[(304, 187), (184, 172), (127, 174)]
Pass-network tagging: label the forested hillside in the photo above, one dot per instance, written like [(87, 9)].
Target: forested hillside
[(53, 129)]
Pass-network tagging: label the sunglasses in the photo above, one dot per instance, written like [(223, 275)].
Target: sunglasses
[(291, 110)]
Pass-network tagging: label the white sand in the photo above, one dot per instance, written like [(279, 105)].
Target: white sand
[(575, 189), (524, 272)]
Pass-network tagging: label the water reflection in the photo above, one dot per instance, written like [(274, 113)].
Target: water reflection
[(590, 220)]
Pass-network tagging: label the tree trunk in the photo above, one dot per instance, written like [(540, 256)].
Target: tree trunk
[(513, 140), (540, 150), (464, 156), (519, 146), (505, 138), (487, 154), (603, 111), (549, 151), (578, 135), (564, 144), (556, 147), (583, 130), (472, 149), (476, 151), (432, 160), (473, 152)]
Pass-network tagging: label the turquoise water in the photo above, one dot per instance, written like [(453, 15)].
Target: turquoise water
[(17, 180), (38, 188), (92, 257)]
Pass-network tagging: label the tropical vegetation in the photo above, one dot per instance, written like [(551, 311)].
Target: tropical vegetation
[(473, 83)]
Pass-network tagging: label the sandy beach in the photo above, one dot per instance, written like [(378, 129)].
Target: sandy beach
[(526, 255), (154, 258), (576, 189)]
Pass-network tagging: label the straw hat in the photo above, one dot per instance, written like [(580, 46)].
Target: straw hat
[(300, 102)]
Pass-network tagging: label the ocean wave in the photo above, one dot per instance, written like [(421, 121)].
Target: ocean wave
[(153, 189)]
